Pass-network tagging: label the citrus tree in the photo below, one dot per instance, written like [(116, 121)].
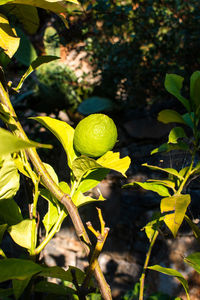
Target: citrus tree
[(19, 157)]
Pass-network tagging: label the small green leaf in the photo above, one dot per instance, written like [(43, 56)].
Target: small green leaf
[(194, 261), (10, 212), (170, 147), (81, 165), (175, 134), (79, 199), (195, 89), (170, 116), (176, 206), (3, 228), (13, 144), (64, 187), (173, 84), (53, 288), (9, 41), (52, 172), (21, 233), (151, 227), (94, 105), (64, 133), (173, 273), (51, 216), (34, 65), (14, 268), (189, 119), (194, 227), (9, 178), (157, 188), (167, 170)]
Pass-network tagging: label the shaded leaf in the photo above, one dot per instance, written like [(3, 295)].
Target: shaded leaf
[(14, 268), (26, 14), (3, 228), (13, 144), (150, 186), (34, 65), (170, 147), (173, 84), (151, 227), (21, 233), (9, 178), (94, 105), (64, 133), (195, 88), (19, 286), (170, 116), (53, 288), (194, 227), (176, 206), (10, 212), (173, 273), (9, 41), (5, 293), (81, 165), (189, 119)]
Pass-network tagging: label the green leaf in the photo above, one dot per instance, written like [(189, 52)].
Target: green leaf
[(21, 233), (173, 273), (170, 147), (151, 227), (56, 6), (111, 160), (195, 89), (173, 84), (92, 179), (167, 170), (19, 286), (176, 206), (14, 268), (51, 216), (9, 41), (64, 187), (64, 133), (167, 183), (27, 15), (52, 172), (58, 272), (175, 134), (150, 186), (9, 178), (53, 288), (82, 165), (13, 144), (34, 65), (170, 116), (5, 293), (189, 119), (10, 212), (26, 52), (194, 261), (79, 199)]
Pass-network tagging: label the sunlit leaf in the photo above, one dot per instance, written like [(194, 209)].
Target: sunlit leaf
[(13, 144), (167, 183), (173, 84), (194, 261), (79, 199), (151, 227), (52, 214), (173, 273), (81, 165), (64, 133), (52, 172), (175, 134), (34, 65), (176, 206), (166, 170), (21, 233), (150, 186), (9, 41), (170, 116), (9, 178), (111, 160)]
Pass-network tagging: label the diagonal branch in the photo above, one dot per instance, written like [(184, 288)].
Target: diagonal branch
[(58, 193)]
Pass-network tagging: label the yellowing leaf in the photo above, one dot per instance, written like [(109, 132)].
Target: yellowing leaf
[(176, 206), (11, 143), (64, 133), (21, 233), (9, 41), (79, 199), (111, 160)]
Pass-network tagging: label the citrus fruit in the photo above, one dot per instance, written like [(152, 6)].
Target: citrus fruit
[(95, 135)]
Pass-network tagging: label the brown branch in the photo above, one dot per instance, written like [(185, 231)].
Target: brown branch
[(58, 193)]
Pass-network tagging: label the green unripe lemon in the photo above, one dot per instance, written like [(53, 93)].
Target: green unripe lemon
[(95, 135)]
